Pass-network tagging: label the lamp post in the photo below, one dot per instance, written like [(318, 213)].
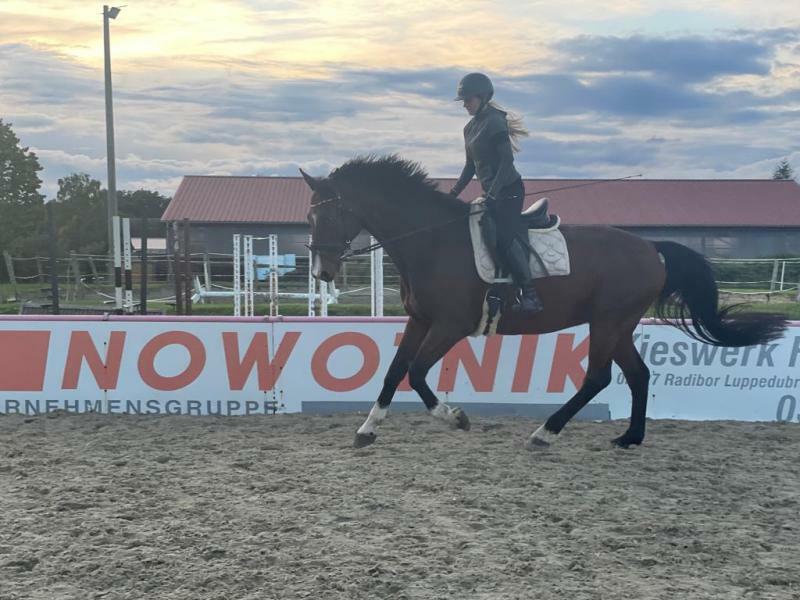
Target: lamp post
[(110, 13)]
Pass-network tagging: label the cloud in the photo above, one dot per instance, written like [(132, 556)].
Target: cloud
[(45, 77), (544, 156), (679, 59), (707, 81), (599, 106)]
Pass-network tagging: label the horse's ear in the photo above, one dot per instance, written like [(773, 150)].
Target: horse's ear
[(312, 183)]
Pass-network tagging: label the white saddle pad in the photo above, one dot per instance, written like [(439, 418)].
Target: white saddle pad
[(549, 244)]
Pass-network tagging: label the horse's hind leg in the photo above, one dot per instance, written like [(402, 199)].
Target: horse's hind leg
[(603, 338), (412, 337), (638, 377)]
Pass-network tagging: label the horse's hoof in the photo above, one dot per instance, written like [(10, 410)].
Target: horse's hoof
[(534, 443), (626, 441), (364, 439), (461, 420), (541, 439)]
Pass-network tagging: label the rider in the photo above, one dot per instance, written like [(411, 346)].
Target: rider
[(489, 142)]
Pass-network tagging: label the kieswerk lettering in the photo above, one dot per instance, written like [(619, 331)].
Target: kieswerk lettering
[(141, 407), (698, 354), (730, 381)]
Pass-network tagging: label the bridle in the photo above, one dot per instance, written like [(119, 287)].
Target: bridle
[(342, 248)]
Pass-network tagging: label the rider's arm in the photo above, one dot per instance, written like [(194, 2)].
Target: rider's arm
[(466, 175), (505, 155)]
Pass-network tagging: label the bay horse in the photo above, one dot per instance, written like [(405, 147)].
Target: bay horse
[(615, 277)]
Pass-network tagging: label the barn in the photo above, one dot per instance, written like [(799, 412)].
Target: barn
[(720, 218)]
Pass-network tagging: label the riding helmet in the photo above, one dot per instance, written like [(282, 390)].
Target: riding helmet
[(475, 84)]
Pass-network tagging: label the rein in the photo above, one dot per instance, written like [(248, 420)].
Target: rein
[(580, 185), (348, 252), (367, 249)]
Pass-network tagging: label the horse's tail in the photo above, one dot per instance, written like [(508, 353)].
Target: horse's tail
[(690, 294)]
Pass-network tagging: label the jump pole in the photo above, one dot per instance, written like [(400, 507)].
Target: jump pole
[(187, 268), (143, 269), (248, 276), (127, 264), (117, 263), (273, 275), (177, 271), (237, 276), (376, 281), (312, 284), (323, 298)]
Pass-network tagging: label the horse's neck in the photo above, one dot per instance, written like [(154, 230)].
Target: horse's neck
[(406, 230)]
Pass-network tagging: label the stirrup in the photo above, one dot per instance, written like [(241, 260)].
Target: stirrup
[(529, 302)]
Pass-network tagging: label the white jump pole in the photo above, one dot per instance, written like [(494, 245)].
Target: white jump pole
[(127, 264), (117, 262), (376, 281), (273, 275), (249, 276), (237, 275), (312, 287), (323, 289), (323, 298), (783, 273)]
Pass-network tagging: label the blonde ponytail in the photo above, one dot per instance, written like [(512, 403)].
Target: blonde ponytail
[(516, 129)]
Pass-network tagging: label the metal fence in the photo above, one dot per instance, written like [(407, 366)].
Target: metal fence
[(89, 279), (757, 275)]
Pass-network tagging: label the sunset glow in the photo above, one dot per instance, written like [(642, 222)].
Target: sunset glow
[(673, 89)]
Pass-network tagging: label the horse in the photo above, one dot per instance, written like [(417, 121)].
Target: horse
[(615, 278)]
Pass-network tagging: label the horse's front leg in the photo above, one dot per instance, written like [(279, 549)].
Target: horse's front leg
[(435, 345), (412, 338)]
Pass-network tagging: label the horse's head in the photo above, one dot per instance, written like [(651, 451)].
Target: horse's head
[(333, 227)]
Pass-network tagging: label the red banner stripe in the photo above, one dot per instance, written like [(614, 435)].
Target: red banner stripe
[(23, 360)]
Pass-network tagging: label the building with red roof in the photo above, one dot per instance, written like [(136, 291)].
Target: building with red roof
[(720, 218)]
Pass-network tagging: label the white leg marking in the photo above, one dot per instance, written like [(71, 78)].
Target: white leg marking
[(443, 412), (376, 415), (541, 438)]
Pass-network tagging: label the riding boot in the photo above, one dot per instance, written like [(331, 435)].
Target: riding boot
[(517, 258)]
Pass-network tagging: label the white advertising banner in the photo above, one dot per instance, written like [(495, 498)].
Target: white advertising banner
[(340, 362), (145, 367), (692, 380), (241, 366)]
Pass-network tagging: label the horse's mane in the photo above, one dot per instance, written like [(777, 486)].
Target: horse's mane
[(398, 175)]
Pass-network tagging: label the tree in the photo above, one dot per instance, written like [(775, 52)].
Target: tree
[(21, 204), (142, 203), (80, 215), (783, 170)]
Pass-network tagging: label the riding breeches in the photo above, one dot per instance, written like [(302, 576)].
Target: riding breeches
[(505, 208)]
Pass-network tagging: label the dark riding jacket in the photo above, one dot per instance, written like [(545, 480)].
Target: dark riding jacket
[(489, 153)]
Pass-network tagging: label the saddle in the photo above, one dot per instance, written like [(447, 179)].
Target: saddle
[(536, 217), (550, 258)]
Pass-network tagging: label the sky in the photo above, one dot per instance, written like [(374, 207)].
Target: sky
[(607, 88)]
